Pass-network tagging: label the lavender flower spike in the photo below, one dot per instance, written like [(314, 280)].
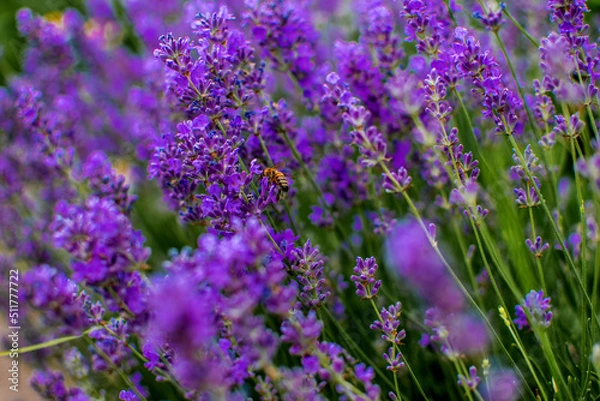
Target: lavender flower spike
[(537, 307), (364, 279)]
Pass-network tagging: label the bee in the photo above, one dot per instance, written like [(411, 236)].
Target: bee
[(277, 177)]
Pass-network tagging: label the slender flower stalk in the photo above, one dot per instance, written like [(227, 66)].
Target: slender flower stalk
[(186, 188)]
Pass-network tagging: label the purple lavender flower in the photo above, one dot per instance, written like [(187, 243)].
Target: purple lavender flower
[(91, 89), (111, 341), (302, 331), (105, 183), (410, 254), (537, 307), (370, 141), (568, 129), (470, 382), (456, 334), (307, 264), (340, 362), (397, 181), (464, 167), (51, 386), (50, 290), (548, 140), (499, 102), (365, 375), (590, 168), (196, 157), (222, 76), (364, 79), (383, 221), (342, 179), (203, 168), (544, 108), (107, 253), (297, 384), (325, 359), (75, 363), (407, 98), (531, 164), (364, 279), (571, 46), (336, 99), (126, 395), (433, 171), (393, 359), (100, 239), (427, 25), (390, 321), (558, 64), (527, 197), (569, 16), (188, 324), (233, 278), (502, 385), (492, 18), (285, 33), (208, 117), (537, 248), (175, 53), (377, 30), (436, 88)]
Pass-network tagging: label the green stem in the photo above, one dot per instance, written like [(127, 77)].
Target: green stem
[(396, 348), (596, 282), (538, 262), (468, 262), (499, 260), (512, 19), (505, 317), (585, 347), (47, 344), (479, 154), (551, 355), (581, 213)]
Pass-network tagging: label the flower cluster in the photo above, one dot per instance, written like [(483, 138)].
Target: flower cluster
[(186, 188), (526, 173), (534, 311), (364, 279), (53, 292), (51, 386), (287, 38)]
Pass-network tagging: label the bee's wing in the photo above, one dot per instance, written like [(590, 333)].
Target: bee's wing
[(278, 166)]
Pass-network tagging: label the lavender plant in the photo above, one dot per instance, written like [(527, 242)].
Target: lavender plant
[(297, 200)]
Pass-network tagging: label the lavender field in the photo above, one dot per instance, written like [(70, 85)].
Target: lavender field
[(355, 200)]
